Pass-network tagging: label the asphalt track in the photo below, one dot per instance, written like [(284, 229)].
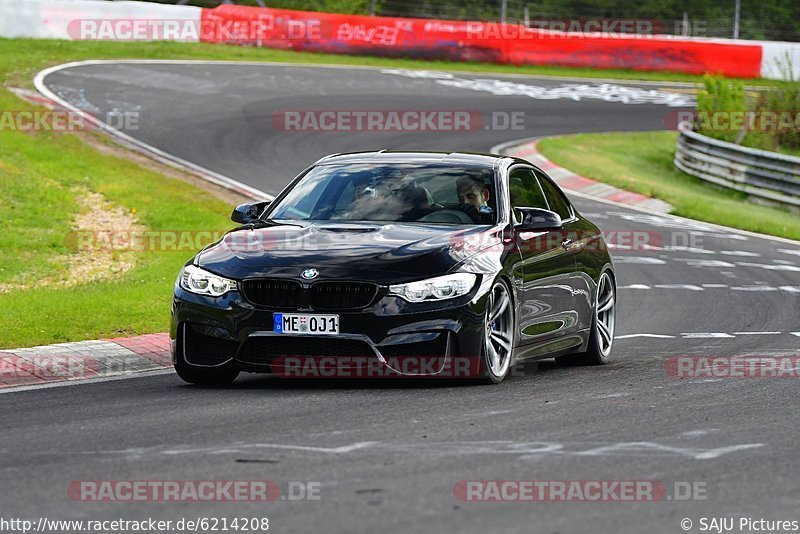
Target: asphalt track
[(387, 454)]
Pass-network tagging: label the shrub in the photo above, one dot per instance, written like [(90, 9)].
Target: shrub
[(780, 103), (720, 95)]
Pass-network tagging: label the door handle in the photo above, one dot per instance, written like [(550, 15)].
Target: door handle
[(566, 243)]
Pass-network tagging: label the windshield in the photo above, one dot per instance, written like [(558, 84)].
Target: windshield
[(429, 193)]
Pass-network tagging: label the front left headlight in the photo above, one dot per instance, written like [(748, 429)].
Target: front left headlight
[(197, 280), (439, 288)]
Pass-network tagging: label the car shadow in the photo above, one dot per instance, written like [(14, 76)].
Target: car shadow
[(254, 381)]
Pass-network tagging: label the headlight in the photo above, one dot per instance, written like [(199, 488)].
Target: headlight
[(439, 288), (197, 280)]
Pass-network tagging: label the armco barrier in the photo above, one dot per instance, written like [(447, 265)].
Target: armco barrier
[(761, 174), (386, 36)]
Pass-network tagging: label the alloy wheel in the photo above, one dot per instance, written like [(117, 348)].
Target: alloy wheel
[(499, 331), (605, 314)]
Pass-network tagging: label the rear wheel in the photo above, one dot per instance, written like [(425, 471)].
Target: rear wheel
[(498, 338), (210, 376), (601, 338)]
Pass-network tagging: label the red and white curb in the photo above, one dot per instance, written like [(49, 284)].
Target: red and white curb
[(83, 360), (566, 179)]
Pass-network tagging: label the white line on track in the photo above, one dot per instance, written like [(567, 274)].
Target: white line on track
[(50, 385), (697, 454), (690, 287), (757, 333), (705, 263), (754, 288), (523, 449), (769, 267), (705, 335), (329, 450), (160, 155), (739, 253), (692, 250), (703, 287), (630, 336), (642, 260)]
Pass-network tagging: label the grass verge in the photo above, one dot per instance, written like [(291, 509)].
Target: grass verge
[(642, 162), (41, 175)]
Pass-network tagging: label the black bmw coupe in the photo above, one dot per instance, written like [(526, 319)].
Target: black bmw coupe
[(398, 263)]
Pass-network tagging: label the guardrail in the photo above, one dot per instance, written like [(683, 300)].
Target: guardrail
[(764, 175)]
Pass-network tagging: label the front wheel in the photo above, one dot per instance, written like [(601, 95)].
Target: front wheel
[(498, 337), (601, 338)]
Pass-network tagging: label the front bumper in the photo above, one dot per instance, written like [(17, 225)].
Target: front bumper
[(391, 337)]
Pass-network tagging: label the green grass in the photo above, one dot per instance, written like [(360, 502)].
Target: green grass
[(42, 172), (40, 176), (642, 162)]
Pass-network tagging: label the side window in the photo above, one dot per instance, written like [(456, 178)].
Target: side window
[(309, 192), (524, 191), (555, 198)]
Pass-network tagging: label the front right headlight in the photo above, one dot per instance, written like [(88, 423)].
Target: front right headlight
[(197, 280), (439, 288)]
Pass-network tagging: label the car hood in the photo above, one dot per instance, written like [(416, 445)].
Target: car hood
[(383, 253)]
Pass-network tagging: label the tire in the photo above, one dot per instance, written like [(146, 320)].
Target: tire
[(601, 339), (212, 376), (498, 342)]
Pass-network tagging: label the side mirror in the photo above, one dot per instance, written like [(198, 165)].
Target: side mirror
[(248, 213), (538, 219)]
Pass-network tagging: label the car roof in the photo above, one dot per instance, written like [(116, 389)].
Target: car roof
[(405, 156)]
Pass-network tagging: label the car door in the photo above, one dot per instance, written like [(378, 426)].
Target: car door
[(575, 236), (548, 266)]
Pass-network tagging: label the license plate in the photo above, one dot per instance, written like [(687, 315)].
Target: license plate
[(304, 323)]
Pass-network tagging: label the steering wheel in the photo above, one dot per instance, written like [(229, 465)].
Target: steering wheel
[(449, 216)]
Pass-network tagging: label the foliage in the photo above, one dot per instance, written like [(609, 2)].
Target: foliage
[(770, 116)]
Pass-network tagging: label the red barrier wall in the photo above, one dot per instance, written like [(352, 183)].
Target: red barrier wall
[(473, 41)]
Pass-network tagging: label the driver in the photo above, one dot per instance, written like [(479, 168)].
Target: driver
[(393, 196), (474, 197)]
